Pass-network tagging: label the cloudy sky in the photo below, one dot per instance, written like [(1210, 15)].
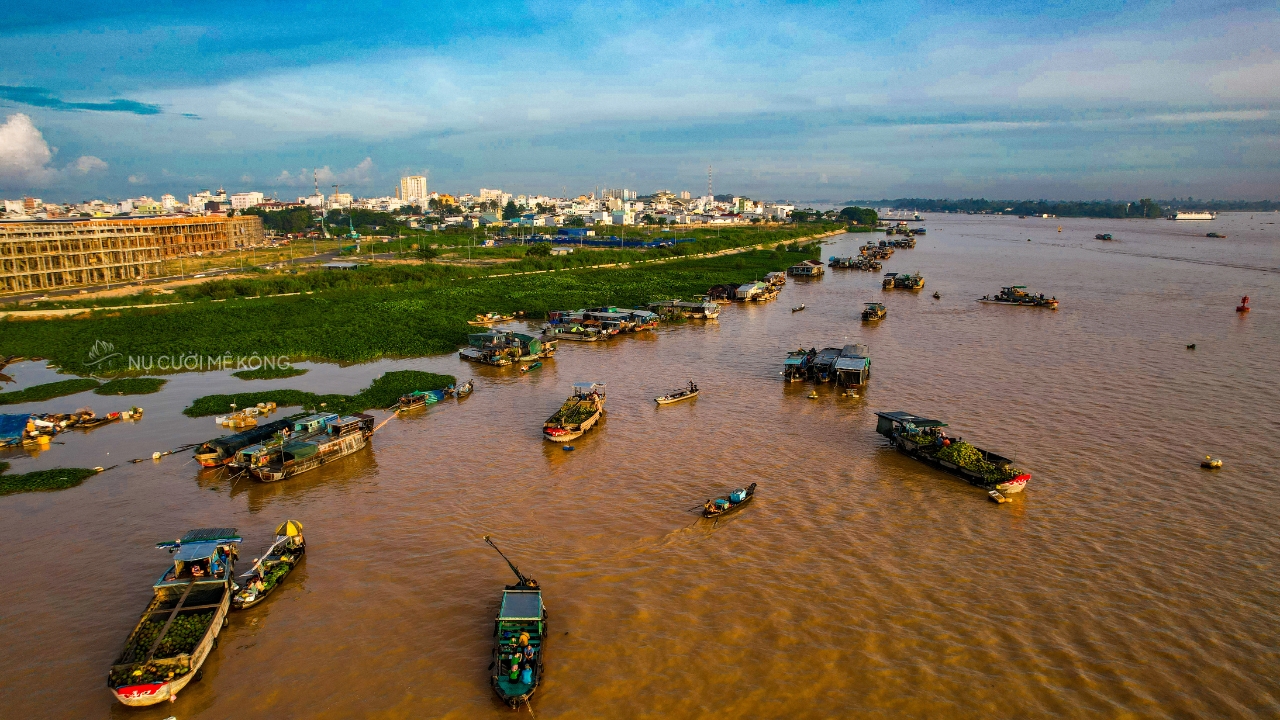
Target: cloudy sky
[(806, 101)]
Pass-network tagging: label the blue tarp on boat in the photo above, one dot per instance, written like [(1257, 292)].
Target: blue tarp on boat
[(11, 427)]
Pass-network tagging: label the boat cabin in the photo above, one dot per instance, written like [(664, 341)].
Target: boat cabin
[(796, 366), (899, 422), (852, 371), (200, 556), (313, 423), (585, 389), (748, 291), (776, 278)]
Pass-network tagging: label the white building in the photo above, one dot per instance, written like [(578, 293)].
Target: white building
[(316, 200), (170, 203), (241, 201), (413, 189)]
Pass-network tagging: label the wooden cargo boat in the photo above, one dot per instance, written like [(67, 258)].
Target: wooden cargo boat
[(273, 567), (925, 440), (336, 438), (519, 636), (460, 391), (676, 396), (220, 451), (579, 413), (180, 626), (725, 504), (1018, 295)]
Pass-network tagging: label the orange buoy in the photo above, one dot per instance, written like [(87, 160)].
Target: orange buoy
[(1244, 304)]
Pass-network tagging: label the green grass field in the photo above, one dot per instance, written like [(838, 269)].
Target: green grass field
[(57, 479), (381, 394), (48, 391), (366, 314)]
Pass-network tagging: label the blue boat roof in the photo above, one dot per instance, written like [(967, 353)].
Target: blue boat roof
[(521, 605), (195, 551)]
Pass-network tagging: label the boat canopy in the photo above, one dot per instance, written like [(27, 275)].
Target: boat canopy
[(586, 388), (210, 535), (851, 363), (190, 552), (521, 605), (794, 360), (12, 426), (905, 418)]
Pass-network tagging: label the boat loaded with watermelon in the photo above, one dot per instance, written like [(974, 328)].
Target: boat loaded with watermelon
[(578, 414), (180, 626), (925, 440)]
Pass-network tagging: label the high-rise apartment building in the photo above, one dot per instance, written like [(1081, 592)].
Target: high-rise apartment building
[(413, 187)]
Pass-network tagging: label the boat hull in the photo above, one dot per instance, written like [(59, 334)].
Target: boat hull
[(559, 434), (668, 399), (1052, 305), (246, 604), (910, 449), (153, 693), (350, 444)]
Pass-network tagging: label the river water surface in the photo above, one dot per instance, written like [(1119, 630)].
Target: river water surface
[(1125, 581)]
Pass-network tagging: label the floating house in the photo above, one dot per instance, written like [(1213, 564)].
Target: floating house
[(706, 310), (505, 348), (808, 268)]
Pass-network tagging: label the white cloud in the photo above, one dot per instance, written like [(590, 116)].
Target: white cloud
[(246, 178), (138, 179), (325, 177), (24, 155), (86, 164)]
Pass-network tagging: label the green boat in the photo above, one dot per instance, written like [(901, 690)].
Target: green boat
[(518, 634)]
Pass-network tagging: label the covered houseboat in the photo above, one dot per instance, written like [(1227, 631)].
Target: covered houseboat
[(316, 441)]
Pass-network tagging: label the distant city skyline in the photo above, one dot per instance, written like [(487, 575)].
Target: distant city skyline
[(1071, 100)]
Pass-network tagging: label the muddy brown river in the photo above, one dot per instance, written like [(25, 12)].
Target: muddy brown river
[(1124, 582)]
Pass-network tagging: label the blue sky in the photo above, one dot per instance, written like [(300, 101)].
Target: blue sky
[(806, 101)]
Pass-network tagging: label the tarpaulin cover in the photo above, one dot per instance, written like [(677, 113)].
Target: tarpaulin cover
[(11, 427)]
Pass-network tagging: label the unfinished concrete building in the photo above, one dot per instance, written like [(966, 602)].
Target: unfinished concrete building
[(50, 255)]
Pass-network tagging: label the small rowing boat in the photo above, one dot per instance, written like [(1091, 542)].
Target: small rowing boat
[(798, 309), (531, 366), (715, 507), (676, 396), (490, 319), (460, 391), (273, 567)]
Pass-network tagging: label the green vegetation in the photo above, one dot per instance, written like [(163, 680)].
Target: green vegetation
[(269, 373), (391, 310), (57, 479), (48, 391), (573, 412), (864, 217), (970, 458), (292, 220), (381, 393), (1144, 208), (131, 386)]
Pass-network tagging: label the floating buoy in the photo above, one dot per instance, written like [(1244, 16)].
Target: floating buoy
[(1192, 346), (568, 448), (156, 455), (1210, 463), (813, 395)]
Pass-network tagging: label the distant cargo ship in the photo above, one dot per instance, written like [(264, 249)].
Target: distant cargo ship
[(1193, 216)]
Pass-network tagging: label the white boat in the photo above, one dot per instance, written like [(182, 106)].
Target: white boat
[(1193, 216)]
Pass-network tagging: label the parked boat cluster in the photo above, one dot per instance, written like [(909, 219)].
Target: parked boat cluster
[(37, 430)]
